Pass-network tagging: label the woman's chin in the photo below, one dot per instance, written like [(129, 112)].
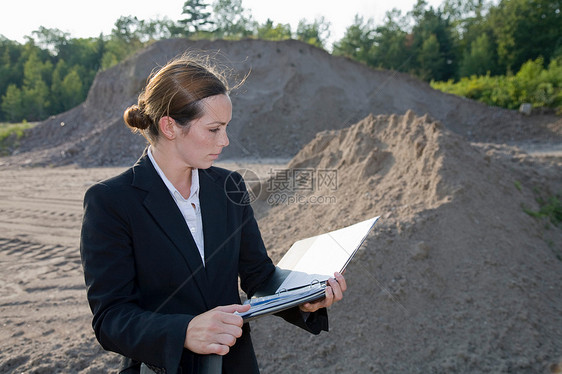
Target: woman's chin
[(205, 164)]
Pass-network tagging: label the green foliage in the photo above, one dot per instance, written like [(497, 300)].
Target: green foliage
[(391, 44), (53, 73), (429, 58), (314, 33), (10, 134), (549, 207), (196, 16), (12, 104), (48, 84), (478, 59), (71, 90), (268, 31), (433, 44), (427, 50), (35, 90), (532, 84), (525, 30), (550, 211), (358, 42), (230, 19)]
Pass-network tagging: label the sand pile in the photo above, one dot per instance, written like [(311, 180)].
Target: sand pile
[(455, 278)]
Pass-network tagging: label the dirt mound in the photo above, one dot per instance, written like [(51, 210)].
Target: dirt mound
[(456, 276), (294, 90)]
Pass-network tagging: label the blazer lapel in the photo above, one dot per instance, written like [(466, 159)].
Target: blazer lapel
[(213, 200), (163, 208)]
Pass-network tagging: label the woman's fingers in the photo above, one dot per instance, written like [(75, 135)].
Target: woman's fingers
[(215, 331), (218, 349), (334, 292), (341, 281)]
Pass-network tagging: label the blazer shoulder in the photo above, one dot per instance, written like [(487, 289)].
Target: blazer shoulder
[(117, 182), (220, 175)]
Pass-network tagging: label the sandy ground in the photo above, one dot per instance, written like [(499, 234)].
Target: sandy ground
[(43, 309), (45, 319), (454, 278)]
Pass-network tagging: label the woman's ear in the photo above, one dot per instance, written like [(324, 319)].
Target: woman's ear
[(167, 126)]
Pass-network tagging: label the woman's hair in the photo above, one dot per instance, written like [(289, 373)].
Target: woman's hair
[(175, 90)]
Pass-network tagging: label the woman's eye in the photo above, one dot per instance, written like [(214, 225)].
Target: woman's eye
[(214, 130)]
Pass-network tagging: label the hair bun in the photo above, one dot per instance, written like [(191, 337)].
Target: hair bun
[(136, 118)]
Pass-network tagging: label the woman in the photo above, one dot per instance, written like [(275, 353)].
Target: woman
[(163, 246)]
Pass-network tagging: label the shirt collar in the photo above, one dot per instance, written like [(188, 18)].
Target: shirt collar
[(194, 190)]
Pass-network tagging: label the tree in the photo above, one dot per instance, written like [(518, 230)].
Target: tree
[(72, 89), (35, 91), (128, 31), (479, 59), (391, 48), (315, 33), (11, 67), (12, 104), (57, 94), (432, 30), (358, 41), (429, 58), (28, 70), (231, 19), (525, 30), (125, 39), (156, 29), (464, 14), (196, 18), (53, 40), (269, 32)]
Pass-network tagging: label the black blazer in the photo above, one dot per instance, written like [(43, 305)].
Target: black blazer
[(144, 276)]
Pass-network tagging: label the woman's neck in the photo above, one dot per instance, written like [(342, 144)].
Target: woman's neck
[(177, 172)]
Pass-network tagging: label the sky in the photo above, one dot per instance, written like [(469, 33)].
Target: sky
[(83, 19)]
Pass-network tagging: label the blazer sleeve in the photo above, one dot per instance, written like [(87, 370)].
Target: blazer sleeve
[(256, 268), (120, 323)]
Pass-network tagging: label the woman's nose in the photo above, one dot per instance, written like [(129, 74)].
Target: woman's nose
[(224, 139)]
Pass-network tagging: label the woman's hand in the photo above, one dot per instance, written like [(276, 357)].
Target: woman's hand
[(216, 330), (334, 292)]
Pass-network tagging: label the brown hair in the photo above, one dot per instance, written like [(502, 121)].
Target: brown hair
[(175, 90)]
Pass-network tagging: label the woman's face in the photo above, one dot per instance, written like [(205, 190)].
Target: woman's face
[(201, 145)]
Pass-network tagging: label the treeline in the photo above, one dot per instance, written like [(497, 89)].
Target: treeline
[(503, 54), (52, 72), (459, 39)]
